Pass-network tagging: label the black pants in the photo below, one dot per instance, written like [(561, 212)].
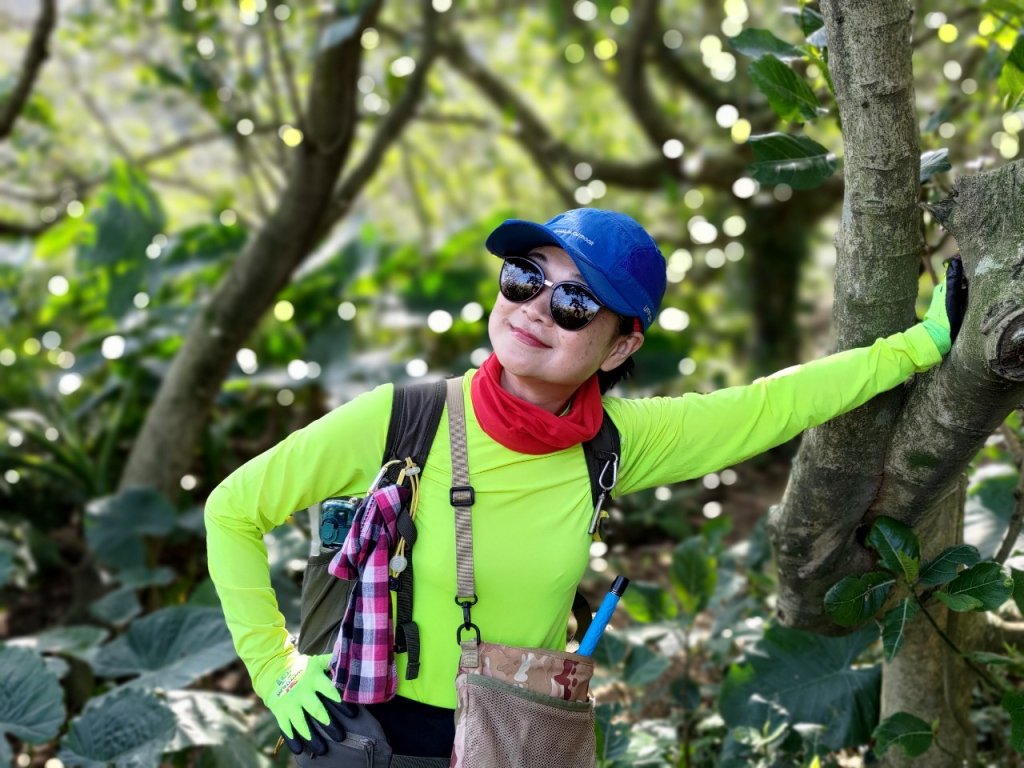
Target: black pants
[(414, 728)]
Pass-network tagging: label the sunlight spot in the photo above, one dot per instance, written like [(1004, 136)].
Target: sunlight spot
[(285, 397), (51, 340), (673, 319), (8, 356), (346, 310), (297, 370), (712, 510), (69, 383), (112, 347), (439, 321), (472, 312), (403, 66), (284, 311), (370, 39), (672, 39), (711, 481), (663, 493), (729, 476), (228, 217), (15, 439), (188, 482), (75, 209), (245, 127), (693, 199), (574, 53), (583, 171), (58, 285), (12, 476), (246, 359), (416, 368)]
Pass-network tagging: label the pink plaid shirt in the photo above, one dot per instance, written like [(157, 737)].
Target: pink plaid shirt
[(363, 662)]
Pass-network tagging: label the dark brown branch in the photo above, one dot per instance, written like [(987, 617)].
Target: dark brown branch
[(36, 53)]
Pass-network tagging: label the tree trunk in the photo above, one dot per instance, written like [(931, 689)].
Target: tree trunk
[(311, 202), (837, 471)]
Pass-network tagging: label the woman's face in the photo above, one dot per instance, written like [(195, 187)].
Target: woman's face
[(530, 346)]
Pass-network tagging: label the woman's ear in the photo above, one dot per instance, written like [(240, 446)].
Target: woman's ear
[(622, 348)]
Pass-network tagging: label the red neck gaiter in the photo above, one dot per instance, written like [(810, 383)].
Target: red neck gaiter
[(528, 428)]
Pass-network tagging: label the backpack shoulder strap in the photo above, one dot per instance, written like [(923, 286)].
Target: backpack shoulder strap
[(415, 413), (602, 454)]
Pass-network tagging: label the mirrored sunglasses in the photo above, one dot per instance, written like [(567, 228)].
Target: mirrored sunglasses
[(573, 306)]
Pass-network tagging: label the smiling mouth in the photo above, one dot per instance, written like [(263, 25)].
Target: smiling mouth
[(528, 338)]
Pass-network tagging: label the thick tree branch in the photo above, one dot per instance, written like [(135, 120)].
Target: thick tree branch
[(35, 55)]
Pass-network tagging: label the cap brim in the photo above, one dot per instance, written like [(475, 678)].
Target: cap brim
[(515, 237)]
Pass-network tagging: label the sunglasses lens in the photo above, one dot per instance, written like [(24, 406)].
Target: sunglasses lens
[(520, 280), (573, 306)]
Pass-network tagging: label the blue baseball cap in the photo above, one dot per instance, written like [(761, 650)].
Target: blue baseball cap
[(619, 261)]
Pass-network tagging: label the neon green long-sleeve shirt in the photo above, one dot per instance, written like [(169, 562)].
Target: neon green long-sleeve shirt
[(531, 514)]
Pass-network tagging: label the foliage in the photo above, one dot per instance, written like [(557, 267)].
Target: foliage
[(158, 143)]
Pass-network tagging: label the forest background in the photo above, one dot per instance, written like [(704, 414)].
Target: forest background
[(219, 220)]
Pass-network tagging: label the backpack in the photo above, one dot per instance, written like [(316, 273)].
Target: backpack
[(415, 414)]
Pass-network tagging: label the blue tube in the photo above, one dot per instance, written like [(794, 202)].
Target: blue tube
[(604, 613)]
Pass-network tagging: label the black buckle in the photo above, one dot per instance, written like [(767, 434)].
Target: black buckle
[(467, 500), (474, 627)]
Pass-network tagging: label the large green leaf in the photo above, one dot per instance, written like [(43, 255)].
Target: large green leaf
[(760, 42), (894, 626), (31, 700), (788, 94), (1011, 79), (857, 598), (811, 677), (986, 583), (947, 564), (76, 640), (126, 728), (897, 546), (204, 718), (168, 649), (236, 752), (117, 607), (115, 525), (694, 574), (798, 161), (904, 730)]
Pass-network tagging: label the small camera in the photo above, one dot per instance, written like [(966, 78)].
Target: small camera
[(336, 516)]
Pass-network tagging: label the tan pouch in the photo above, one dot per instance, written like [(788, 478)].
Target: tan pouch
[(523, 708)]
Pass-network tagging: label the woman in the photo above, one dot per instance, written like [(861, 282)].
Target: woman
[(576, 296)]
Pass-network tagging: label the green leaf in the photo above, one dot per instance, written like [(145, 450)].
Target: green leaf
[(612, 733), (1011, 79), (644, 666), (127, 728), (985, 582), (891, 539), (117, 607), (789, 95), (74, 640), (694, 574), (1018, 587), (1013, 703), (611, 649), (959, 603), (115, 525), (935, 161), (204, 719), (168, 649), (894, 625), (904, 730), (857, 598), (798, 161), (31, 700), (760, 42), (809, 20), (647, 602), (945, 567), (811, 677)]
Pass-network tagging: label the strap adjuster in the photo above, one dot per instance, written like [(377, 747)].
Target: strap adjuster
[(462, 496)]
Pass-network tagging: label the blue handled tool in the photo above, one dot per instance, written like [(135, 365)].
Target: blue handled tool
[(604, 613)]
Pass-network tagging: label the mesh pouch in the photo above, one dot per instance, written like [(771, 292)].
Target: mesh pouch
[(523, 708)]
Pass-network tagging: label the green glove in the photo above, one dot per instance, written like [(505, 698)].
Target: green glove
[(290, 692), (936, 322)]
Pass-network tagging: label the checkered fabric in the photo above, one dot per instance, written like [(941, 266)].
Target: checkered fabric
[(363, 662)]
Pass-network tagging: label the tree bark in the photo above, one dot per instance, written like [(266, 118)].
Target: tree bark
[(837, 472), (308, 206), (35, 55)]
